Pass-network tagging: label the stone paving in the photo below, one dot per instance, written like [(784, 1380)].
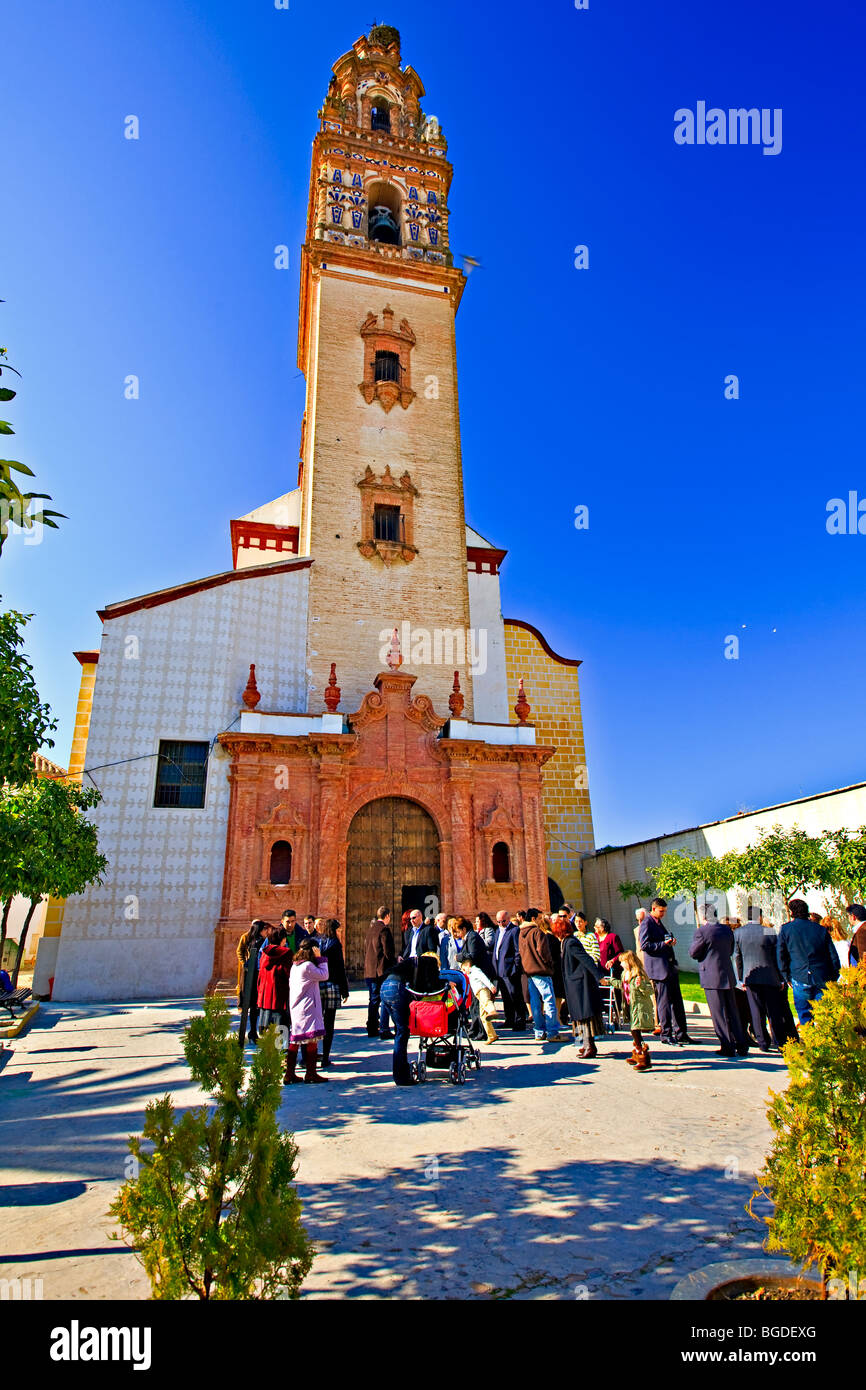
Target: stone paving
[(542, 1177)]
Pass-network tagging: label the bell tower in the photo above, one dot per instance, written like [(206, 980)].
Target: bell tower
[(381, 474)]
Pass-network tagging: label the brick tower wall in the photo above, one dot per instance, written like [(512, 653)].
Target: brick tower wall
[(353, 598)]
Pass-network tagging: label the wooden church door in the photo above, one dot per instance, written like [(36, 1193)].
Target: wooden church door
[(393, 859)]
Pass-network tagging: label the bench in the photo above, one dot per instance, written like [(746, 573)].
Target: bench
[(12, 997)]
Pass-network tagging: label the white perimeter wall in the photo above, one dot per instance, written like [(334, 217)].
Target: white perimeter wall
[(186, 683), (602, 872)]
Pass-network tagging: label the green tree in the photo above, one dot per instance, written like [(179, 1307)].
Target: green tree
[(13, 851), (782, 863), (634, 888), (846, 855), (815, 1172), (15, 505), (25, 722), (212, 1212), (55, 850), (679, 874)]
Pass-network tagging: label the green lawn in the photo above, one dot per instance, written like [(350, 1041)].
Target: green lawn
[(691, 987)]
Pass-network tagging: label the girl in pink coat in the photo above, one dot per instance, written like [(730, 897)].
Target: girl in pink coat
[(305, 1009)]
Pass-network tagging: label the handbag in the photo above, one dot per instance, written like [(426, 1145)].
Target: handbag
[(329, 992), (428, 1018)]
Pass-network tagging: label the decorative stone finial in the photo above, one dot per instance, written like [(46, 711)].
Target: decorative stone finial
[(455, 699), (395, 656), (521, 709), (332, 690), (251, 692)]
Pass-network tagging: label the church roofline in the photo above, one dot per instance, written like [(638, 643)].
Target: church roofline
[(198, 586), (563, 660)]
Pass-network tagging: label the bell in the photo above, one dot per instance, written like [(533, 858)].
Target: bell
[(383, 226)]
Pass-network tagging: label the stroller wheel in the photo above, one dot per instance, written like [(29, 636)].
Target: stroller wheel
[(453, 1074), (421, 1070), (477, 1059), (461, 1074)]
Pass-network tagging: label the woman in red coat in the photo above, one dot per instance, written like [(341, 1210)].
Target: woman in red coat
[(610, 948), (275, 962)]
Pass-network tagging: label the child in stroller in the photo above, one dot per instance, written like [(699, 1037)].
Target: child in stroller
[(439, 1019)]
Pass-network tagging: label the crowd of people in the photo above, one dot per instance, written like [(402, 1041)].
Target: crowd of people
[(545, 971)]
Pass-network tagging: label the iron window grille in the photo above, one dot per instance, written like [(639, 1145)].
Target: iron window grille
[(181, 774), (387, 523)]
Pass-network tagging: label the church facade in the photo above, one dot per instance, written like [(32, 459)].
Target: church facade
[(344, 717)]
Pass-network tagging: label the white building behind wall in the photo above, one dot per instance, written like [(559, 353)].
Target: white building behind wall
[(605, 870)]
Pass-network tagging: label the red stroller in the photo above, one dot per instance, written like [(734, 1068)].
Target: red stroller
[(440, 1022)]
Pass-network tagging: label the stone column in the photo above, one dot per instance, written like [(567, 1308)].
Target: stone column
[(465, 888), (240, 865), (534, 838), (332, 774)]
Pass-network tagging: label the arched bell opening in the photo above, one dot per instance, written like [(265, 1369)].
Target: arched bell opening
[(385, 216)]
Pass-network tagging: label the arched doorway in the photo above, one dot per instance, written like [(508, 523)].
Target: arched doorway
[(557, 897), (393, 858)]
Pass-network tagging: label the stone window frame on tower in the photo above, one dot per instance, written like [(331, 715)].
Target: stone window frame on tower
[(387, 491), (387, 338)]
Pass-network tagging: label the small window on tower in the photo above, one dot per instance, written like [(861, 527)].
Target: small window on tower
[(386, 524), (380, 116), (386, 367)]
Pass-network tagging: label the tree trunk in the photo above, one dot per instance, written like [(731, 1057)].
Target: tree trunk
[(34, 903), (4, 922)]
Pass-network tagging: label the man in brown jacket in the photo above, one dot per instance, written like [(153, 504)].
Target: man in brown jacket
[(536, 958), (380, 958)]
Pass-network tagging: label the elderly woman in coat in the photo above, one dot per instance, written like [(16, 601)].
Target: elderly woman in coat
[(580, 976)]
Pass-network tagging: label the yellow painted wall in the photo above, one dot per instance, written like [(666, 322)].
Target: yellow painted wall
[(552, 689), (83, 711)]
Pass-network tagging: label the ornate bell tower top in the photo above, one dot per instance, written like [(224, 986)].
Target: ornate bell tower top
[(380, 177)]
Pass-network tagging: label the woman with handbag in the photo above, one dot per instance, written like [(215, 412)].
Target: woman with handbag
[(335, 990)]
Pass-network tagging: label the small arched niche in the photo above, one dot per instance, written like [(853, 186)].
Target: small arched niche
[(281, 863), (501, 862)]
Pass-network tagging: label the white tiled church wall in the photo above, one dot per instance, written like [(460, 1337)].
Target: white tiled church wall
[(166, 865)]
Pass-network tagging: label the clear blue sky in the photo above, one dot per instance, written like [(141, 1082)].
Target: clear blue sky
[(601, 387)]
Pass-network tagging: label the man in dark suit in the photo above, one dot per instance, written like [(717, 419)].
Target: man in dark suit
[(806, 957), (506, 962), (471, 948), (660, 964), (380, 957), (755, 960), (712, 948)]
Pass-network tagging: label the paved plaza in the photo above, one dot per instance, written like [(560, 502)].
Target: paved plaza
[(542, 1177)]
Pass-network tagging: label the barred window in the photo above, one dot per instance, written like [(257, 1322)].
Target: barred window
[(181, 773), (386, 366), (386, 523)]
